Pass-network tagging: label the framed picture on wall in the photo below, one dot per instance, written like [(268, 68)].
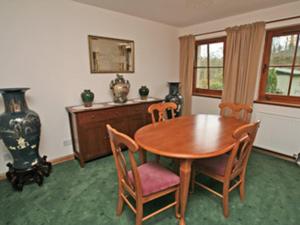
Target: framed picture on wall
[(111, 55)]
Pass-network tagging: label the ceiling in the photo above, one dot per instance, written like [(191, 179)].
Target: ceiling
[(181, 13)]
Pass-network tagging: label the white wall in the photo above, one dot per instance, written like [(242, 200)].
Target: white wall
[(280, 126), (44, 46)]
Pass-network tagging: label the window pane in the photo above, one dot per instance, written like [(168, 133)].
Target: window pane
[(298, 55), (295, 88), (216, 54), (202, 55), (278, 80), (216, 78), (283, 50), (201, 78)]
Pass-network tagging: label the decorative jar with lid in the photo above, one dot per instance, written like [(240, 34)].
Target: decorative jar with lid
[(120, 88), (144, 91), (87, 97)]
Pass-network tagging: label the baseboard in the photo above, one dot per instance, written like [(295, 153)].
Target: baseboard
[(274, 154), (53, 161), (62, 159), (2, 177)]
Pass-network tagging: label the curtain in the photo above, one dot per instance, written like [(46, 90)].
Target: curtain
[(186, 64), (242, 59)]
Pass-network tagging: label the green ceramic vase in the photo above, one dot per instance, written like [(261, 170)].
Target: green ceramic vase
[(87, 97), (144, 91)]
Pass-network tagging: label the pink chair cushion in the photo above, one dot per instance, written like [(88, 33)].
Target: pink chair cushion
[(154, 178), (216, 165)]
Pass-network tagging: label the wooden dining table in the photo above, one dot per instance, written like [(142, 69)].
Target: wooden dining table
[(188, 138)]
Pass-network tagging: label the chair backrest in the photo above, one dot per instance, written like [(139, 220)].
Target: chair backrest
[(160, 110), (117, 141), (239, 111), (244, 137)]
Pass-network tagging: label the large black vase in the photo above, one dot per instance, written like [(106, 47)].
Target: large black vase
[(20, 132), (175, 96)]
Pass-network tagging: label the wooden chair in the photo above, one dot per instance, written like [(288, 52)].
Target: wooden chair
[(159, 111), (239, 111), (229, 168), (143, 183)]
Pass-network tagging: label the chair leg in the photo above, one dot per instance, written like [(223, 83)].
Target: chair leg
[(225, 199), (193, 175), (120, 202), (157, 158), (177, 214), (242, 188), (176, 163), (139, 212), (142, 156)]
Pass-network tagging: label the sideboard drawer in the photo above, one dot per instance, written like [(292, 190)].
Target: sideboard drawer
[(101, 115)]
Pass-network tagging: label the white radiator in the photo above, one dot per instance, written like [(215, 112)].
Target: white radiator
[(278, 132)]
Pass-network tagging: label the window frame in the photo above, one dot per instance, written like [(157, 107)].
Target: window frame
[(206, 91), (273, 98)]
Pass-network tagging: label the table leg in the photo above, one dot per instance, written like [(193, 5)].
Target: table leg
[(142, 156), (185, 175)]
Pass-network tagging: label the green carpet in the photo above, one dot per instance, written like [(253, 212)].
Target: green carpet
[(76, 196)]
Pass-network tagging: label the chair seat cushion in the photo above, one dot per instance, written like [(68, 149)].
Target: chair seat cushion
[(215, 165), (154, 178)]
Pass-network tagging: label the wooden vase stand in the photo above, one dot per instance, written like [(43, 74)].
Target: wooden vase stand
[(19, 177)]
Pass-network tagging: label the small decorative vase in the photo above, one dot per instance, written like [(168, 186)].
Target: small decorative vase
[(20, 132), (87, 97), (120, 89), (144, 91), (175, 96)]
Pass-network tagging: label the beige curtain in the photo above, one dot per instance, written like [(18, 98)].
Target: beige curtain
[(186, 64), (243, 53)]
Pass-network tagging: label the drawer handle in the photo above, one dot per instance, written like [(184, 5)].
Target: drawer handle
[(93, 117)]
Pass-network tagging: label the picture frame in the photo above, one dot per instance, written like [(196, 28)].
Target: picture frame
[(110, 55)]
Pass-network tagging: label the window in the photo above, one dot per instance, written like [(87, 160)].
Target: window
[(209, 67), (280, 80)]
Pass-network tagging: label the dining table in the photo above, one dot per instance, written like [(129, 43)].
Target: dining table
[(188, 138)]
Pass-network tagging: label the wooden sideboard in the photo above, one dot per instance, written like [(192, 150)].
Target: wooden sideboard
[(88, 125)]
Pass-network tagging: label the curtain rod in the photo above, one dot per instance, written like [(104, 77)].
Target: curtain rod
[(268, 22)]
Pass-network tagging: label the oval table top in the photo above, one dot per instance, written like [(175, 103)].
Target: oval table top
[(189, 137)]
